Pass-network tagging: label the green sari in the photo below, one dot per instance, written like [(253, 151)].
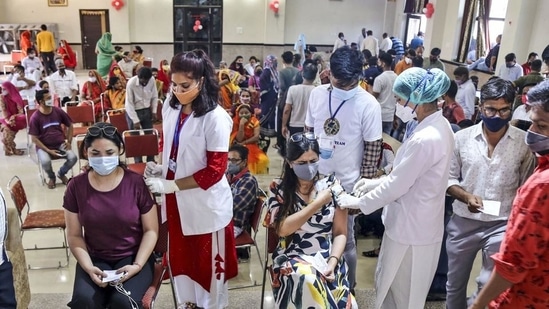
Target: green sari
[(105, 52)]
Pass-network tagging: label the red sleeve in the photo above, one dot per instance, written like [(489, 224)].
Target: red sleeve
[(459, 115), (216, 165)]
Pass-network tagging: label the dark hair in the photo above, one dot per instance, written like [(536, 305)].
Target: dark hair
[(154, 70), (40, 94), (392, 52), (346, 65), (43, 27), (19, 67), (297, 60), (339, 35), (117, 57), (144, 72), (289, 182), (369, 32), (242, 151), (253, 58), (461, 71), (367, 54), (435, 51), (116, 138), (118, 48), (112, 81), (313, 49), (497, 88), (309, 70), (538, 96), (287, 57), (199, 65), (510, 57), (410, 52), (532, 54), (465, 123), (31, 51), (372, 61), (384, 35), (452, 91), (139, 49), (417, 62), (42, 82), (536, 65), (126, 53), (475, 81), (386, 59), (353, 44), (245, 90)]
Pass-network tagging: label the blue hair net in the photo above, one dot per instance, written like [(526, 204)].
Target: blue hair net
[(421, 86)]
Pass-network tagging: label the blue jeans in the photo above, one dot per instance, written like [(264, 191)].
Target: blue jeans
[(7, 291), (387, 127), (44, 159)]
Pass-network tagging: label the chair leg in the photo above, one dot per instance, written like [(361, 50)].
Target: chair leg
[(60, 263)]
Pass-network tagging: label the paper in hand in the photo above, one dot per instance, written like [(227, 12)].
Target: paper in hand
[(317, 261), (491, 207), (112, 276)]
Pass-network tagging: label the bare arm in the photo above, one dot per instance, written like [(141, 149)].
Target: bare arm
[(255, 138), (495, 286), (286, 118), (294, 221), (339, 234)]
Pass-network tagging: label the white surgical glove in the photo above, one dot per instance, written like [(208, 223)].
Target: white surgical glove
[(153, 170), (158, 185), (364, 185), (345, 200)]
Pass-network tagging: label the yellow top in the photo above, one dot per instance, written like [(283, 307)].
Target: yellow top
[(45, 41)]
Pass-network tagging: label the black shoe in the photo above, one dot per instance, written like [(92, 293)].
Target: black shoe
[(436, 297)]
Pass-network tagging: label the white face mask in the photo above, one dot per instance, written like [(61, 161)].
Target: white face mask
[(92, 79), (104, 165), (4, 92), (405, 113), (49, 102), (407, 60), (343, 94)]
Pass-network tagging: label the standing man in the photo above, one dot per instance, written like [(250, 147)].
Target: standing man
[(466, 94), (417, 41), (370, 43), (286, 78), (433, 61), (141, 102), (347, 121), (385, 44), (46, 48), (383, 92), (340, 41), (490, 162), (7, 291), (63, 83), (295, 109), (398, 47), (526, 67), (361, 37), (413, 195)]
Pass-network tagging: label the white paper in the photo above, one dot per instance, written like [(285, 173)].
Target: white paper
[(491, 207), (112, 276), (317, 261)]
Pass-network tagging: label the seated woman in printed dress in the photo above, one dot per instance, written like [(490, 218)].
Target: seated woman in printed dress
[(306, 219)]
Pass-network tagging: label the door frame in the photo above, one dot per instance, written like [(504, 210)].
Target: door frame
[(105, 26)]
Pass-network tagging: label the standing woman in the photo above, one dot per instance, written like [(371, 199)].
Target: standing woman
[(269, 94), (164, 76), (67, 54), (105, 51), (13, 118), (197, 197), (25, 43)]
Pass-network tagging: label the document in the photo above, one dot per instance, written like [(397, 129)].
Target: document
[(491, 207)]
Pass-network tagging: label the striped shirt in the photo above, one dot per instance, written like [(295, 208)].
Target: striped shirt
[(398, 46)]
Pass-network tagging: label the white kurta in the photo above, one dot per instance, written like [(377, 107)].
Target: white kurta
[(414, 216)]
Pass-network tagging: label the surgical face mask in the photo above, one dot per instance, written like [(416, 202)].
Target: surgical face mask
[(31, 56), (187, 96), (510, 64), (104, 165), (343, 94), (538, 143), (459, 82), (4, 92), (407, 60), (48, 102), (306, 171), (494, 124), (233, 168), (166, 67), (524, 99), (405, 113), (92, 79)]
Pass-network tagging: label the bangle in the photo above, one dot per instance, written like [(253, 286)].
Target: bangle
[(135, 263), (333, 257)]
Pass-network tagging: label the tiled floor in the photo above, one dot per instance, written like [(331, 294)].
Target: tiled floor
[(60, 280)]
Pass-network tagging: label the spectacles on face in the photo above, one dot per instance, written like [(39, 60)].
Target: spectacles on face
[(298, 137), (234, 160), (96, 131), (503, 112)]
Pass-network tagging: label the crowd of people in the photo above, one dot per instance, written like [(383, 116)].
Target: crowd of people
[(468, 177)]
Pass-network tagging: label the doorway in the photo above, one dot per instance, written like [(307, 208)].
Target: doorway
[(93, 23)]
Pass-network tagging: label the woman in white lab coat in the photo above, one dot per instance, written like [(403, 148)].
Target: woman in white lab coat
[(197, 200)]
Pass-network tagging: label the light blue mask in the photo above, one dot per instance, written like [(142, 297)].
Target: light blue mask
[(343, 94), (104, 165)]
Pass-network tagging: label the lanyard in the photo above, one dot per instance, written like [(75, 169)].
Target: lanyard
[(178, 128), (332, 116)]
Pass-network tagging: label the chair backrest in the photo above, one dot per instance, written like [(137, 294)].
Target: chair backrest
[(142, 142), (28, 113), (117, 117), (18, 195), (81, 113), (159, 110)]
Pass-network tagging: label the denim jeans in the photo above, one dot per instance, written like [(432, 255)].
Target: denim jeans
[(45, 159)]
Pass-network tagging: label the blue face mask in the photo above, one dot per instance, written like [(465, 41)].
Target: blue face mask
[(494, 124), (233, 168), (538, 143), (344, 94), (104, 165), (306, 171)]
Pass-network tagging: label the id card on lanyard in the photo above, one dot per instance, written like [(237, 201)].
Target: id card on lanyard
[(172, 164)]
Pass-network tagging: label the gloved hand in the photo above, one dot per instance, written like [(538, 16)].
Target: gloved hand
[(153, 170), (364, 185), (158, 185), (345, 200)]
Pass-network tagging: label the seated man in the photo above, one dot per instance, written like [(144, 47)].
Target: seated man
[(23, 82), (52, 140), (245, 188), (63, 83), (127, 65), (32, 65)]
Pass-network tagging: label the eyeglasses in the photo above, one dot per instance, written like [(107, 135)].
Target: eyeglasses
[(298, 137), (234, 160), (503, 112), (96, 131)]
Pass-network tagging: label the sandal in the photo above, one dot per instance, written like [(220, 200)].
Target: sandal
[(51, 183), (63, 179), (372, 253)]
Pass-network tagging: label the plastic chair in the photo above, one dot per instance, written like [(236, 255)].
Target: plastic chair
[(271, 242), (140, 143), (83, 114), (38, 220), (117, 117), (245, 240)]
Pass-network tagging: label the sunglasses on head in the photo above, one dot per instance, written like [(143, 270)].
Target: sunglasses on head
[(96, 131), (298, 137)]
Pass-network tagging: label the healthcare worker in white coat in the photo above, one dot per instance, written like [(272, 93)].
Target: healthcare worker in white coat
[(414, 194)]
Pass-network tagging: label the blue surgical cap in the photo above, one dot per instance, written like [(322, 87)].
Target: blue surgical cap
[(421, 86)]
